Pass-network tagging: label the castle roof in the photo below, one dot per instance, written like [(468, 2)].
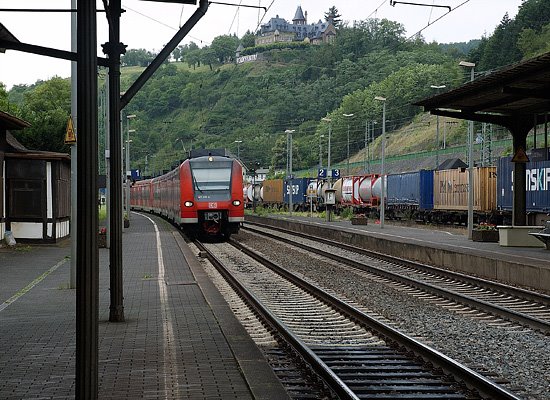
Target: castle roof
[(298, 26), (299, 16)]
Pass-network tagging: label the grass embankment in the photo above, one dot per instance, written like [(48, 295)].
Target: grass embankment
[(262, 211)]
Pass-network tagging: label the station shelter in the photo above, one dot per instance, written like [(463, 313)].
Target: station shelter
[(35, 188)]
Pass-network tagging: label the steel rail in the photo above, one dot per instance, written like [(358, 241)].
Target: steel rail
[(519, 292), (471, 378), (330, 378), (529, 321)]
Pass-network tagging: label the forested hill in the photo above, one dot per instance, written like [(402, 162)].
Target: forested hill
[(206, 100)]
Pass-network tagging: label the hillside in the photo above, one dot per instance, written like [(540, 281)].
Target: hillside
[(206, 100), (256, 103), (413, 147)]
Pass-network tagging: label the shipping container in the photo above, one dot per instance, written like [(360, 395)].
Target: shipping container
[(272, 191), (451, 189), (298, 186), (414, 189), (537, 185)]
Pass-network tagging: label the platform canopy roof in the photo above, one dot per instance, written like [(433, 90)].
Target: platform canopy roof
[(506, 97)]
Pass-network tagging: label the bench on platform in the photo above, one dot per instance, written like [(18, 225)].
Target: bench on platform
[(544, 235)]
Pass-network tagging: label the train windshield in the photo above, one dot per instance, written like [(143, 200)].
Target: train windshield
[(209, 176)]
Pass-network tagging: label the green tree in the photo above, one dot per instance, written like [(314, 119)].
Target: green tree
[(224, 47), (193, 58), (179, 52), (3, 98), (208, 57), (367, 36), (334, 15), (532, 43), (137, 57), (248, 39), (502, 48), (47, 109)]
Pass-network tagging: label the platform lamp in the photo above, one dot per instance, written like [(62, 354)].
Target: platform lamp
[(329, 171), (238, 148), (348, 116), (128, 131), (382, 181), (470, 160), (289, 133), (437, 129)]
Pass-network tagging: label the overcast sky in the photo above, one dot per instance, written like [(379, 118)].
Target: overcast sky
[(150, 25)]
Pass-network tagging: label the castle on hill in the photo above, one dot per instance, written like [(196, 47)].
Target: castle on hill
[(280, 30)]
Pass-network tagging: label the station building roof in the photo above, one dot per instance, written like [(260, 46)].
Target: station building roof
[(10, 146), (11, 122)]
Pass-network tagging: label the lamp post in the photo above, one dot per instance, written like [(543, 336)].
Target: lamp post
[(128, 173), (321, 151), (437, 130), (382, 181), (238, 148), (470, 160), (329, 171), (182, 145), (348, 116), (128, 131), (289, 133)]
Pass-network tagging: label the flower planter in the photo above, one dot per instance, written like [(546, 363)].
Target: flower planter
[(485, 235), (126, 223), (359, 221)]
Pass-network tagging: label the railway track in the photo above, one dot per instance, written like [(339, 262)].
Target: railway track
[(354, 354), (497, 303)]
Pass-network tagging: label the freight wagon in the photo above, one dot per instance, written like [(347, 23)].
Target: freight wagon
[(432, 196), (297, 188), (271, 192), (451, 190), (410, 195), (537, 190)]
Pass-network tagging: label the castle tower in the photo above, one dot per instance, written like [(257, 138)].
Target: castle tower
[(299, 18)]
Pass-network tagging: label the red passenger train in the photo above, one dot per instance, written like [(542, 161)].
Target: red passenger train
[(203, 195)]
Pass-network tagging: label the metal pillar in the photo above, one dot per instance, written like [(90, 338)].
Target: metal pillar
[(437, 143), (470, 179), (74, 156), (347, 156), (383, 181), (87, 290), (471, 168), (519, 204), (289, 132), (114, 49)]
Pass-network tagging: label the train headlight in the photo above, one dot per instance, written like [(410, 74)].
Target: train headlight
[(236, 202), (188, 204)]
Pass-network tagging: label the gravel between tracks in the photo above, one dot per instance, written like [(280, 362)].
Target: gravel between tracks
[(521, 357)]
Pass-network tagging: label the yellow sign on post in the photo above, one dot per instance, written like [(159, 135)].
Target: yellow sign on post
[(520, 156), (70, 135)]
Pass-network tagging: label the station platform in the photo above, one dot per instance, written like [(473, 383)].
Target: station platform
[(179, 340), (445, 247)]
